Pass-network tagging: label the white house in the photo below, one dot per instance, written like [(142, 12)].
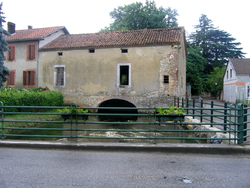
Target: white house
[(237, 80)]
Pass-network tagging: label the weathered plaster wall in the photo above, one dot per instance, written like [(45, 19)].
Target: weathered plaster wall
[(91, 78)]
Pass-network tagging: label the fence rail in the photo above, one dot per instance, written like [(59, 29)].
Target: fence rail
[(224, 115), (146, 128)]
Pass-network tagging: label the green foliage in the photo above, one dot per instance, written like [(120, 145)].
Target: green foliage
[(209, 49), (172, 110), (4, 71), (217, 46), (195, 67), (216, 77), (32, 97), (137, 16), (72, 110)]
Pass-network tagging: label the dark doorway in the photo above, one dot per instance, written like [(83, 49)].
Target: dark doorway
[(118, 103)]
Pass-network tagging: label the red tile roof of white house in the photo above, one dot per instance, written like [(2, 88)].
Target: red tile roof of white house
[(33, 34), (134, 38)]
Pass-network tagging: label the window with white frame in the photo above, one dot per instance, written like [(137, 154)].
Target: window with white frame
[(59, 76), (124, 75), (248, 92)]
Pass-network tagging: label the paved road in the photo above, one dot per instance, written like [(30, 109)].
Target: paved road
[(77, 168)]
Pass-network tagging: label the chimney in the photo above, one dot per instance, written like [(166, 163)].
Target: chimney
[(11, 27), (30, 27)]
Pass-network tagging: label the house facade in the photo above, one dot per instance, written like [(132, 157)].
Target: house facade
[(237, 80), (23, 58), (146, 68)]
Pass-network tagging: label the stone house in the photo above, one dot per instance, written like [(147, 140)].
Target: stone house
[(237, 80), (23, 58), (142, 68)]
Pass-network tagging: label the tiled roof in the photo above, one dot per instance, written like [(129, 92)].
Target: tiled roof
[(241, 66), (33, 34), (149, 37)]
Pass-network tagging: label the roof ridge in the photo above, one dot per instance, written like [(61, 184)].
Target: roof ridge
[(39, 28), (139, 30)]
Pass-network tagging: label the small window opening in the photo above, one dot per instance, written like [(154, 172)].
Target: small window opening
[(60, 54), (124, 50), (166, 79), (91, 50), (124, 75)]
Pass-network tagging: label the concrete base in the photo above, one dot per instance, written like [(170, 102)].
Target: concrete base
[(167, 148)]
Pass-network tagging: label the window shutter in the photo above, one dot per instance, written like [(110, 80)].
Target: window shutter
[(12, 78), (33, 78), (31, 51), (8, 81), (11, 56), (24, 77)]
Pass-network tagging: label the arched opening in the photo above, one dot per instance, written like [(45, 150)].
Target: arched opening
[(117, 103)]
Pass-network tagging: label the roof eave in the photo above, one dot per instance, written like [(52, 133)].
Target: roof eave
[(103, 47)]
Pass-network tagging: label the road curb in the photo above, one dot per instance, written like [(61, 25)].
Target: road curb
[(129, 147)]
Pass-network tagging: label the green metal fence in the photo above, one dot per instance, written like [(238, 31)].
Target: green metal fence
[(226, 116), (147, 128)]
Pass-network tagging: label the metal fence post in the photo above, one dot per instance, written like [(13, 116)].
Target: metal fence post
[(225, 117), (240, 123), (245, 120), (212, 113), (178, 101), (201, 110), (193, 107), (187, 105), (182, 103), (2, 120)]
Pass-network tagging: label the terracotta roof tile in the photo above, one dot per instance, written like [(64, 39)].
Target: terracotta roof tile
[(33, 34), (117, 39), (241, 66)]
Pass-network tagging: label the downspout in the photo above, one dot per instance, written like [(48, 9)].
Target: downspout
[(37, 63)]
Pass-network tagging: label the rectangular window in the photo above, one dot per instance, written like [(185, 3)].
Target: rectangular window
[(124, 50), (227, 74), (11, 78), (59, 76), (248, 92), (29, 78), (124, 75), (60, 53), (231, 73), (31, 52), (11, 55), (91, 50), (166, 79)]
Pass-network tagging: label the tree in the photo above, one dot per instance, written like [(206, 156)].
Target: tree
[(217, 45), (137, 16), (216, 80), (222, 47), (195, 68), (4, 71)]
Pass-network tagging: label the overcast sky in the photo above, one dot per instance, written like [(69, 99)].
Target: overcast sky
[(90, 16)]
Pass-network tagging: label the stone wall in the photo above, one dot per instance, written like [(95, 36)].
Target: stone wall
[(147, 100)]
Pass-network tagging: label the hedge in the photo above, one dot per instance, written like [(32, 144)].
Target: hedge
[(34, 97)]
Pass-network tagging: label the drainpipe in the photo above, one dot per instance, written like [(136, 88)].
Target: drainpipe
[(37, 63)]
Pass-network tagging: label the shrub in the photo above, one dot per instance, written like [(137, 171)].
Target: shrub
[(30, 97)]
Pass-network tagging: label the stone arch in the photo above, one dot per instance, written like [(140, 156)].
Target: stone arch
[(117, 103)]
